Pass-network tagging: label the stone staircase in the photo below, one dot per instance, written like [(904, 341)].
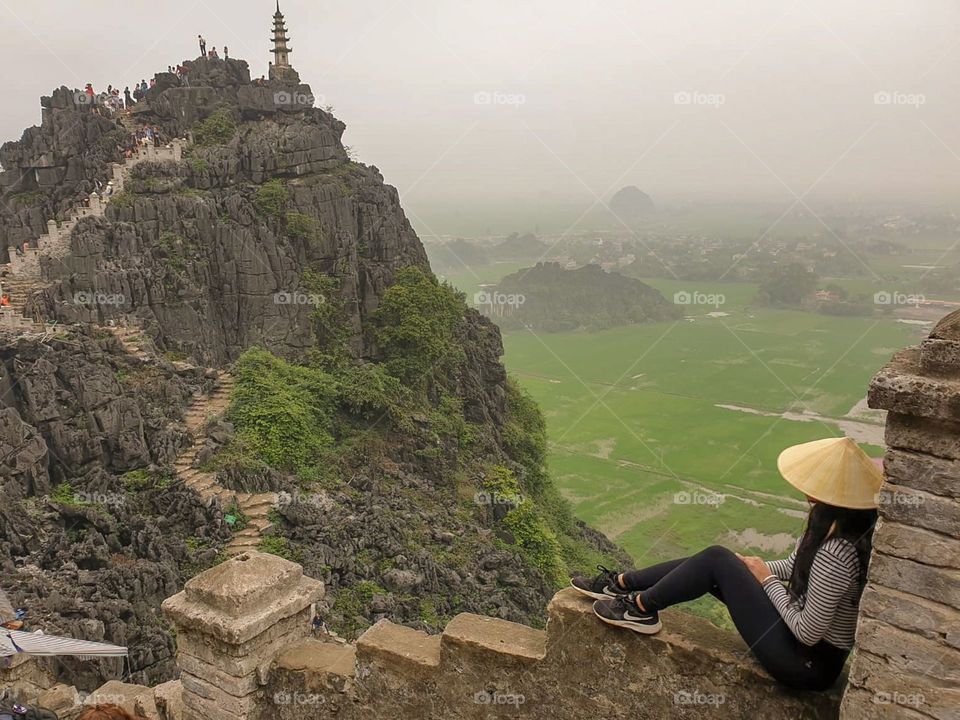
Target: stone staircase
[(22, 276), (255, 506)]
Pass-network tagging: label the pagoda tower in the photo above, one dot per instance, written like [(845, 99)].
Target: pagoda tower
[(280, 68)]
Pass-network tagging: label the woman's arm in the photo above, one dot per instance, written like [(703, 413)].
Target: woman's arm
[(782, 568), (835, 567)]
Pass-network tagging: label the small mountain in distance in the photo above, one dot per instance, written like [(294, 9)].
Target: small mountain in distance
[(518, 247), (550, 298), (631, 204), (457, 255)]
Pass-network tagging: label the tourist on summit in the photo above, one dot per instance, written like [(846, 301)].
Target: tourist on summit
[(226, 53), (213, 54), (127, 99), (203, 46), (798, 615), (89, 90)]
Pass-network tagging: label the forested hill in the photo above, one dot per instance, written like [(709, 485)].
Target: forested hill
[(551, 298)]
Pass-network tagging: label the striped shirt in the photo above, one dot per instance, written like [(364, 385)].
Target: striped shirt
[(828, 609)]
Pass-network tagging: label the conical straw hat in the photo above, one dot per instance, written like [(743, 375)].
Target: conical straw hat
[(834, 471)]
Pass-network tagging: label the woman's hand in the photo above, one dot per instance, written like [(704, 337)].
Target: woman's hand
[(757, 567)]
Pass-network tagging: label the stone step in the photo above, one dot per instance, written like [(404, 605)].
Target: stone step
[(248, 533), (261, 524)]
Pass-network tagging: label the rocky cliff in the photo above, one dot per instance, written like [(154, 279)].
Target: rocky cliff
[(410, 472)]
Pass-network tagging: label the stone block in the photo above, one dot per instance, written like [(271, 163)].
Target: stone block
[(920, 471), (323, 665), (194, 688), (907, 654), (861, 704), (940, 357), (923, 435), (267, 589), (920, 509), (242, 659), (168, 697), (893, 693), (399, 648), (913, 614), (939, 584), (901, 387), (62, 699), (469, 634), (911, 543)]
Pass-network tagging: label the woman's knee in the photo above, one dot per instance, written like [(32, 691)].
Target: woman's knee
[(718, 553)]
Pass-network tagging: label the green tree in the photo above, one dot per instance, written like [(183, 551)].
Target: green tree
[(415, 326), (788, 284)]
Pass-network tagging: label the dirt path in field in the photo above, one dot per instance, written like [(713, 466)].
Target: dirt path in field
[(863, 432)]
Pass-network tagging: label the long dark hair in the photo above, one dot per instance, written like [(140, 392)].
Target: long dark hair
[(854, 526)]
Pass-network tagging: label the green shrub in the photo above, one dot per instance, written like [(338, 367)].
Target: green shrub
[(136, 480), (537, 542), (65, 495), (271, 198), (369, 392), (525, 436), (416, 322), (217, 129), (302, 227), (276, 545), (283, 413)]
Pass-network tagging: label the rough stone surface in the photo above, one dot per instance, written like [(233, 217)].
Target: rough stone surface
[(578, 668), (255, 604), (907, 658)]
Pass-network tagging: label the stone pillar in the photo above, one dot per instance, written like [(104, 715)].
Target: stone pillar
[(907, 662), (230, 622)]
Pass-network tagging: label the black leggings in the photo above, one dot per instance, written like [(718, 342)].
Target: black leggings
[(721, 573)]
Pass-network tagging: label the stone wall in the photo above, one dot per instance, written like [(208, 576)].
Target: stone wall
[(482, 667), (907, 662)]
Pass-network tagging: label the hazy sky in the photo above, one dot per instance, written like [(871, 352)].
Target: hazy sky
[(475, 104)]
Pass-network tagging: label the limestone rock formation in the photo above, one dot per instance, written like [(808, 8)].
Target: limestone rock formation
[(630, 204)]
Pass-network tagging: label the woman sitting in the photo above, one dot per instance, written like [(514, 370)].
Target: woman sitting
[(798, 615)]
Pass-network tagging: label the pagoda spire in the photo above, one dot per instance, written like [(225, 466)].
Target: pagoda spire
[(281, 52)]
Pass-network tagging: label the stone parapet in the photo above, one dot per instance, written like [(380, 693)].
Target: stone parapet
[(907, 662), (231, 621), (482, 667)]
